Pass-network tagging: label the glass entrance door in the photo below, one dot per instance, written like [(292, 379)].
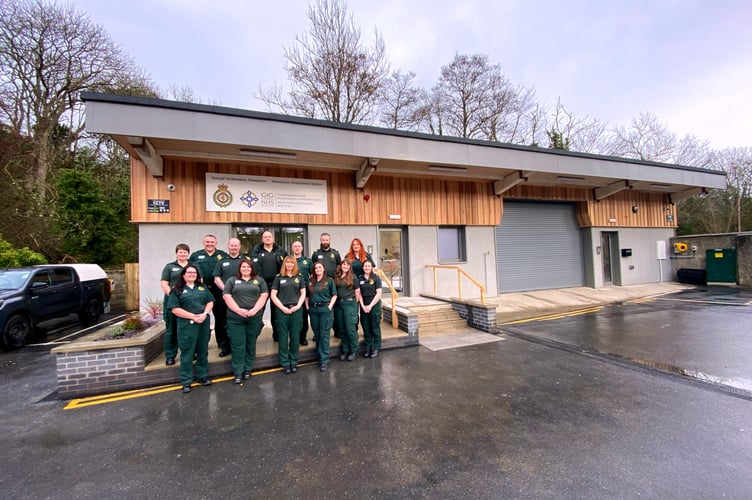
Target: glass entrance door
[(609, 247), (392, 256)]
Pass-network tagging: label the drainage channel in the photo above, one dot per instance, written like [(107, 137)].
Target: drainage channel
[(692, 377)]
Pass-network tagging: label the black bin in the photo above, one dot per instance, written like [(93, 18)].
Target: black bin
[(692, 276)]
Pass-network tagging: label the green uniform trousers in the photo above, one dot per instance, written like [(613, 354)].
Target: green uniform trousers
[(193, 337), (244, 333), (288, 330), (321, 324), (346, 316), (171, 334), (371, 327)]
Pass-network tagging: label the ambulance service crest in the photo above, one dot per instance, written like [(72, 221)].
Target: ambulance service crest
[(222, 196), (249, 199)]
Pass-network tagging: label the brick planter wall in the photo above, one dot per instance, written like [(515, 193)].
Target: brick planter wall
[(478, 315), (92, 367)]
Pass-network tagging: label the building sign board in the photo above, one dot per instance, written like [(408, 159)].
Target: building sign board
[(158, 206), (259, 194)]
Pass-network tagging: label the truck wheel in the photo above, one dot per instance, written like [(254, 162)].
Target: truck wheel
[(17, 330), (90, 312)]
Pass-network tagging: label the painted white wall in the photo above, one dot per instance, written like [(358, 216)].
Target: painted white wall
[(480, 263), (156, 248), (643, 266), (342, 236)]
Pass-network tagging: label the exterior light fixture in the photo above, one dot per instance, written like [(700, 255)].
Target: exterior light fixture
[(266, 154)]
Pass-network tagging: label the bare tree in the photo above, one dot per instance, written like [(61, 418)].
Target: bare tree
[(737, 163), (403, 106), (475, 100), (332, 74), (465, 91), (579, 133), (645, 139), (48, 54)]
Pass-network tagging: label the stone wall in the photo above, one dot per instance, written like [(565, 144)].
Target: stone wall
[(694, 257), (117, 299)]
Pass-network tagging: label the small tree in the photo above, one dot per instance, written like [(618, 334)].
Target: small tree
[(18, 257)]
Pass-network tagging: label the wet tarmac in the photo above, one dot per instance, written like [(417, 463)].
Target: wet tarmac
[(703, 333), (539, 414)]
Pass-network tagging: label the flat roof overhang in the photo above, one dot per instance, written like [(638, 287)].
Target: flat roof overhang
[(154, 129)]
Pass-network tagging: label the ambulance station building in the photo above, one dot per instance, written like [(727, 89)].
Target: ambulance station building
[(514, 217)]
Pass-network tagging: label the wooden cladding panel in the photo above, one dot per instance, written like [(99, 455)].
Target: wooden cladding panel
[(417, 201), (652, 211)]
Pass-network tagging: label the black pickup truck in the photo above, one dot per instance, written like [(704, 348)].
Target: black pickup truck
[(30, 295)]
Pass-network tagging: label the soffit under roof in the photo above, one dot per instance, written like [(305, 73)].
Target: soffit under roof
[(151, 129)]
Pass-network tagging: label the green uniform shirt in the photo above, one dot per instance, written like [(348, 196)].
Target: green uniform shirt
[(357, 266), (345, 292), (206, 263), (245, 293), (171, 273), (192, 300), (288, 288), (267, 263), (228, 267), (369, 287), (305, 266), (322, 296), (330, 258)]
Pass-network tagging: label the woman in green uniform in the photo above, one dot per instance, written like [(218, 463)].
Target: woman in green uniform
[(322, 295), (370, 310), (358, 256), (346, 309), (288, 295), (169, 278), (245, 296), (191, 302)]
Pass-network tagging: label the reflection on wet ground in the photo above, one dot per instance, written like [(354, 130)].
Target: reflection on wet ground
[(693, 333)]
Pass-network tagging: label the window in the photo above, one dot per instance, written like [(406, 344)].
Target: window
[(61, 276), (451, 244)]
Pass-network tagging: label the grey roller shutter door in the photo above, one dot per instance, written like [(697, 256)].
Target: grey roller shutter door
[(539, 246)]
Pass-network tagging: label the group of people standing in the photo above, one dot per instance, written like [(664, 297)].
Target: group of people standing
[(332, 291)]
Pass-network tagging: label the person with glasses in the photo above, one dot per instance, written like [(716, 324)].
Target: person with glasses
[(191, 302)]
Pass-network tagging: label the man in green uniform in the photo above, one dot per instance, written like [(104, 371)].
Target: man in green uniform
[(227, 268), (206, 260), (304, 266), (331, 259), (267, 259), (327, 255), (168, 279)]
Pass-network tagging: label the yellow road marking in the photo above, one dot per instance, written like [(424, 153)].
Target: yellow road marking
[(113, 397), (641, 300), (549, 317)]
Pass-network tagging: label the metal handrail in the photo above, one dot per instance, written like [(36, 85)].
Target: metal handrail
[(460, 273), (395, 321)]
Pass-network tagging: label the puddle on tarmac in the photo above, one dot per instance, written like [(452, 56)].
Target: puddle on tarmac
[(735, 382)]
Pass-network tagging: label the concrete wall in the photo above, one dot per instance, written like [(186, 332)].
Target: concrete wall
[(695, 259), (342, 236), (481, 262), (156, 247), (642, 267)]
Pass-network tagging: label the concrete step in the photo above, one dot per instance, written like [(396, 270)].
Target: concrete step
[(439, 325), (434, 316)]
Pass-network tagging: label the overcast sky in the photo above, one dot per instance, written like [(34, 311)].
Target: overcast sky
[(687, 61)]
